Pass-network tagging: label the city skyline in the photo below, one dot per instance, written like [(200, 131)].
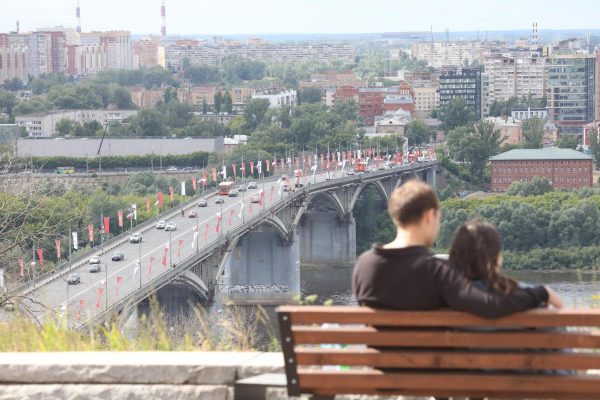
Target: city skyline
[(309, 16)]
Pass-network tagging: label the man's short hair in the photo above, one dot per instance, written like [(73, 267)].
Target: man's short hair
[(409, 202)]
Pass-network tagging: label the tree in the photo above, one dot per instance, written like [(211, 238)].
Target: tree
[(13, 84), (499, 107), (456, 113), (8, 100), (310, 95), (475, 145), (533, 133), (218, 101), (568, 142), (417, 133), (121, 98), (149, 123), (65, 127), (228, 103), (538, 186), (201, 74), (204, 106), (594, 145), (254, 113)]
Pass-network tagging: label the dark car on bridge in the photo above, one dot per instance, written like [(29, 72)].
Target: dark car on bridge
[(95, 268), (202, 203), (73, 279), (118, 256), (220, 200)]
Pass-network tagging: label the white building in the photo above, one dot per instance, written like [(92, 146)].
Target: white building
[(277, 98), (427, 99), (393, 122), (522, 113), (44, 124), (507, 76), (445, 54)]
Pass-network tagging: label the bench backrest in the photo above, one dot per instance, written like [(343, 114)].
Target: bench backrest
[(359, 350)]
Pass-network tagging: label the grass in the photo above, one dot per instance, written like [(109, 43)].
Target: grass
[(232, 329)]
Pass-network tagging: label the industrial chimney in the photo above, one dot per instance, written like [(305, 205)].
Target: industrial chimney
[(78, 15), (163, 26)]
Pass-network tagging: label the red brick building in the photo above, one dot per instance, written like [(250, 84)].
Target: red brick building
[(564, 168)]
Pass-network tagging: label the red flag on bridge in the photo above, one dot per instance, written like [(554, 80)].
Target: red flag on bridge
[(22, 266), (214, 174), (231, 212), (164, 260), (262, 196), (147, 204), (194, 183), (40, 254), (81, 304), (206, 228), (172, 193), (107, 225), (180, 243), (91, 232), (57, 243), (120, 216), (160, 199), (218, 226), (119, 280), (100, 290), (150, 267)]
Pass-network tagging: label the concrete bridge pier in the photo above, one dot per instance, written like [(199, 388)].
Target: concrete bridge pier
[(326, 239), (263, 267)]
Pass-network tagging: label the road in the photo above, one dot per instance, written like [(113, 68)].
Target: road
[(96, 290)]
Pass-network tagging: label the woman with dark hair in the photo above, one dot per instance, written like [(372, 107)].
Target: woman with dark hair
[(477, 251)]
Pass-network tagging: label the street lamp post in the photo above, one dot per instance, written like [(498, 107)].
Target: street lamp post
[(140, 260)]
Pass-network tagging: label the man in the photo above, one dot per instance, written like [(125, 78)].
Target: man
[(404, 275)]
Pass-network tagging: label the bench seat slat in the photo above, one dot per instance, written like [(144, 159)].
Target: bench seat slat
[(360, 380), (539, 318), (446, 359), (401, 338), (456, 393)]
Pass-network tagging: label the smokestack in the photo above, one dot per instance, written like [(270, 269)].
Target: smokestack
[(163, 26), (534, 35), (78, 15)]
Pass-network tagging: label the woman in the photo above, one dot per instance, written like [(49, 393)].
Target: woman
[(477, 251)]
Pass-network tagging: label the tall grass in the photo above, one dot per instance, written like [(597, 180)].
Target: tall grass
[(232, 329)]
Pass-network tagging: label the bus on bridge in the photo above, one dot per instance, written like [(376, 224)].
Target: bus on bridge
[(225, 188)]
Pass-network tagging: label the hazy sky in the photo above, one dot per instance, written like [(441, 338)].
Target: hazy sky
[(302, 16)]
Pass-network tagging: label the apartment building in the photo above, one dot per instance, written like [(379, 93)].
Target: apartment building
[(570, 91), (446, 54), (462, 83)]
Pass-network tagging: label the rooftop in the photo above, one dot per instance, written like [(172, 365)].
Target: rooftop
[(548, 153)]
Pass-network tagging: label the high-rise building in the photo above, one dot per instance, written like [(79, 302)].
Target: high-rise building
[(508, 75), (462, 83), (119, 52), (570, 89), (447, 54), (145, 52), (14, 51)]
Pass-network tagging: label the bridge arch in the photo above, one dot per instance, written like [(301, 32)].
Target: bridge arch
[(377, 184)]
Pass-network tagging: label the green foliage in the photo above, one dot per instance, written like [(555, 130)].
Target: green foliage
[(376, 62), (244, 70), (554, 220), (474, 145), (455, 114), (499, 107), (417, 133), (42, 83), (218, 100), (548, 258), (533, 133), (35, 105), (537, 187), (151, 78), (310, 95), (51, 163), (13, 84), (254, 113), (8, 100), (568, 142), (373, 224), (201, 74)]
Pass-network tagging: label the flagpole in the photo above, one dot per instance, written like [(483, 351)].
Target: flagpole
[(140, 260)]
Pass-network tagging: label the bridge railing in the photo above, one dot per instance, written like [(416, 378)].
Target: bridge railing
[(137, 295), (107, 246)]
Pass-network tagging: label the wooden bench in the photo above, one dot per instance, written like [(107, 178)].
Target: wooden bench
[(536, 354)]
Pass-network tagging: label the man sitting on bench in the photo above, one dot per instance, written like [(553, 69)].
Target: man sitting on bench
[(404, 275)]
